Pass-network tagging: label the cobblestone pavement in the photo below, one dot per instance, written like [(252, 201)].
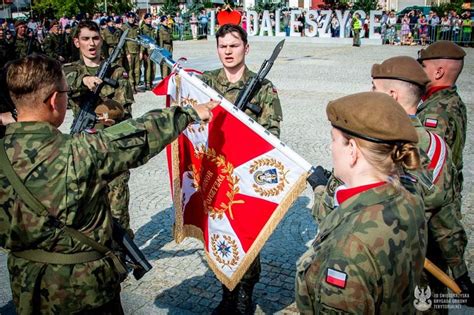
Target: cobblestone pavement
[(307, 76)]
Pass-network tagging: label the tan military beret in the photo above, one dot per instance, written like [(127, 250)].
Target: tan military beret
[(401, 68), (372, 116), (442, 49), (111, 108)]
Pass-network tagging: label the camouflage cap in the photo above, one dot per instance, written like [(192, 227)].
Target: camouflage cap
[(372, 116), (402, 68), (442, 49), (111, 108)]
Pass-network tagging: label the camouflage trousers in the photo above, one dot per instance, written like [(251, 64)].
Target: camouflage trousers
[(447, 239), (119, 198), (134, 69), (114, 307)]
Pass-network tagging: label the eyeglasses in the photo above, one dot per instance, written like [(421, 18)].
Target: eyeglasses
[(52, 93)]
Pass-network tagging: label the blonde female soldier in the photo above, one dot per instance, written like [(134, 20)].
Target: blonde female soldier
[(368, 255)]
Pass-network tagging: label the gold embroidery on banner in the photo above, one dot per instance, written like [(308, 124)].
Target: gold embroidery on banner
[(222, 249), (187, 101), (226, 170), (275, 191)]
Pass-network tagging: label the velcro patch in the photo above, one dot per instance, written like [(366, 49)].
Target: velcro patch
[(431, 123), (336, 278)]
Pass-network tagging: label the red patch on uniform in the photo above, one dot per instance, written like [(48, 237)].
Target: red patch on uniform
[(274, 90), (125, 75), (431, 123)]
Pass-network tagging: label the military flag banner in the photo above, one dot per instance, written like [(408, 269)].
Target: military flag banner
[(231, 180)]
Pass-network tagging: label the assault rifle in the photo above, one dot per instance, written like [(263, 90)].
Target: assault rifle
[(87, 118), (254, 85), (139, 262)]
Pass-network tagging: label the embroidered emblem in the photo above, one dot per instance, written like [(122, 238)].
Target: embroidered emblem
[(336, 278), (431, 123), (269, 176), (225, 250), (212, 184), (187, 101)]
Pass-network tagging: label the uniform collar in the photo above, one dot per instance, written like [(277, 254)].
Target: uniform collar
[(435, 89), (31, 127), (222, 78), (415, 121), (362, 200)]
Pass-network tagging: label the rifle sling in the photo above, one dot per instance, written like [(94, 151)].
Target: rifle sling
[(33, 203)]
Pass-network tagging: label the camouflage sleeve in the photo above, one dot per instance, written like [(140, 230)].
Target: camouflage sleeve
[(324, 198), (272, 113), (123, 94), (74, 77), (130, 143), (355, 292), (450, 238)]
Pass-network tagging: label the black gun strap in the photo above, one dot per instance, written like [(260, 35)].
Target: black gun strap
[(34, 203)]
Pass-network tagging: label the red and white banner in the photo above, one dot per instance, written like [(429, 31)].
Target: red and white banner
[(232, 182)]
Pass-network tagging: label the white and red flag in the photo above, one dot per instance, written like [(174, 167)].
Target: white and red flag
[(232, 181)]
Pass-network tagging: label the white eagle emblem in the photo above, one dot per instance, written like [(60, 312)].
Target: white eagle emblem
[(422, 300)]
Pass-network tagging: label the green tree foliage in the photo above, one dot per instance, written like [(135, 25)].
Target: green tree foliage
[(448, 6), (170, 7), (365, 5), (57, 8)]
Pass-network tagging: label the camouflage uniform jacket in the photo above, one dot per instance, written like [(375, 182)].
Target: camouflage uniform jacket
[(76, 71), (53, 45), (69, 176), (21, 46), (130, 46), (266, 98), (375, 243), (445, 114), (111, 38)]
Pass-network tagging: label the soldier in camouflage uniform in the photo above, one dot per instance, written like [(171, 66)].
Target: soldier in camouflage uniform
[(51, 270), (53, 44), (232, 46), (165, 40), (68, 44), (147, 29), (444, 113), (80, 76), (404, 79), (368, 255), (133, 51), (25, 42)]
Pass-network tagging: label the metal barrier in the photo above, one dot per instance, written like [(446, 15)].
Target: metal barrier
[(423, 34), (184, 32)]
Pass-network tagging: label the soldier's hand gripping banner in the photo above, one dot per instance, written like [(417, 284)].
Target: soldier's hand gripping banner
[(232, 181)]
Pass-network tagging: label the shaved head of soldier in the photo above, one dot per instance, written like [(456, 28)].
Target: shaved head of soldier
[(38, 88)]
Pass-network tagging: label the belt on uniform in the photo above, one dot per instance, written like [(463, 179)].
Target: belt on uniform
[(42, 256)]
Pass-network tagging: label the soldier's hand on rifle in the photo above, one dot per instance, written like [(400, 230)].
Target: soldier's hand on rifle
[(204, 110), (319, 177), (91, 82)]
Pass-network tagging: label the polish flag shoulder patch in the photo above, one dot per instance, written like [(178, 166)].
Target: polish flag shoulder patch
[(336, 278), (431, 123)]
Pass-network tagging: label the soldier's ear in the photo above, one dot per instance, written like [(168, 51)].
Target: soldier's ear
[(247, 48), (76, 42)]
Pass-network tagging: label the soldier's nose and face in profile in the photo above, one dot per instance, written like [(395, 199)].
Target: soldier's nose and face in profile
[(232, 50), (89, 43)]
